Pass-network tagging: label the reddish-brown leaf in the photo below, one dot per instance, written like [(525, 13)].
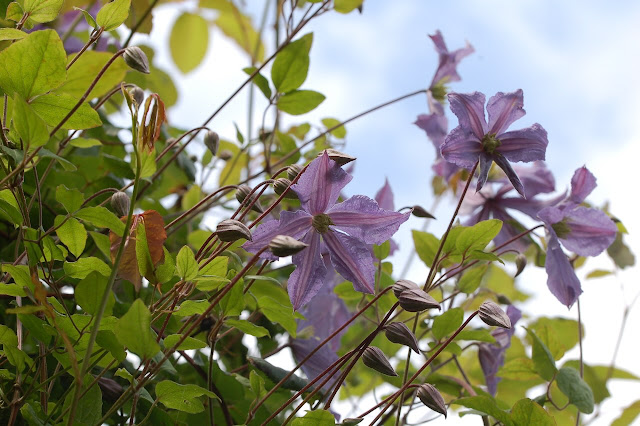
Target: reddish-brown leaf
[(151, 126)]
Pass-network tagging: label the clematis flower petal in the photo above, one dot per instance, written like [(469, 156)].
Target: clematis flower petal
[(582, 183), (511, 174), (435, 126), (562, 280), (384, 197), (485, 165), (310, 274), (531, 207), (461, 148), (469, 108), (504, 109), (362, 218), (352, 259), (318, 362), (537, 179), (448, 61), (529, 144), (591, 231), (294, 224), (320, 184)]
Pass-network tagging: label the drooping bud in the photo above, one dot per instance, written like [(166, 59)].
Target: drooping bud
[(137, 94), (373, 357), (419, 211), (225, 155), (521, 263), (211, 140), (430, 397), (493, 314), (232, 230), (417, 300), (402, 285), (339, 157), (243, 192), (281, 185), (398, 332), (284, 245), (111, 390), (293, 171), (352, 420), (136, 59), (120, 203)]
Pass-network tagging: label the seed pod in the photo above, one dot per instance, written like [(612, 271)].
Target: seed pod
[(136, 59), (430, 397), (243, 192), (374, 358), (339, 157), (402, 285), (211, 140), (281, 185), (521, 263), (284, 245), (493, 314), (293, 171), (417, 300), (232, 230), (120, 203), (419, 211), (398, 332)]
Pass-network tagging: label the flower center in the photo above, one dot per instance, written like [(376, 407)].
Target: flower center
[(562, 229), (490, 143), (439, 91), (321, 223)]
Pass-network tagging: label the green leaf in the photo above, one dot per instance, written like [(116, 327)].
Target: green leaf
[(628, 415), (260, 81), (9, 207), (346, 6), (101, 217), (84, 143), (189, 41), (71, 199), (482, 255), (291, 65), (213, 274), (89, 292), (34, 65), (186, 264), (133, 330), (11, 34), (20, 275), (558, 334), (67, 165), (188, 344), (248, 327), (53, 108), (167, 269), (426, 246), (84, 266), (31, 129), (234, 24), (233, 302), (192, 307), (576, 389), (89, 409), (275, 374), (182, 397), (470, 281), (300, 101), (8, 336), (277, 312), (338, 132), (102, 242), (518, 369), (478, 335), (42, 10), (113, 14), (72, 234), (14, 13), (381, 251), (478, 236), (315, 418), (526, 412), (543, 361), (12, 290), (38, 328), (87, 17), (447, 323), (487, 405), (597, 273), (84, 70), (257, 384)]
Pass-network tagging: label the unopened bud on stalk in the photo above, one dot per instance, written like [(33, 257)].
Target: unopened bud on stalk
[(293, 171), (521, 263), (430, 397), (225, 155), (284, 245), (398, 332), (211, 141), (136, 94), (493, 314), (402, 285), (136, 59), (120, 203), (243, 192), (373, 357), (111, 390), (232, 230), (339, 157), (417, 300), (281, 185), (352, 420), (503, 300), (419, 211)]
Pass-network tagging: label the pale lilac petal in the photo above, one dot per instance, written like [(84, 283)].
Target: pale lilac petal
[(469, 108), (318, 362), (448, 61), (562, 280), (444, 169), (510, 229), (352, 259), (503, 110), (294, 224), (319, 186), (384, 197), (511, 174), (592, 231), (362, 218), (528, 206), (461, 148), (526, 145), (536, 180), (483, 170), (439, 44), (582, 183), (310, 274), (435, 125), (551, 215)]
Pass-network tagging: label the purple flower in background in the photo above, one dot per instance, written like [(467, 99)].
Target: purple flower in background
[(384, 198), (344, 230), (583, 230), (448, 61), (474, 140), (491, 355)]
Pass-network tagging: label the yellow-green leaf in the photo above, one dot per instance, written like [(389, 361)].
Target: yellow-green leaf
[(53, 108), (72, 234), (300, 101), (84, 70), (189, 41), (11, 34), (31, 129), (42, 10), (113, 14), (291, 65), (133, 330)]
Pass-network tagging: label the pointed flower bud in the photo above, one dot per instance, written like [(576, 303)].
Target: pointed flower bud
[(493, 314), (352, 420), (138, 94), (211, 140), (293, 171), (417, 300), (402, 285), (120, 203), (521, 263), (419, 211), (136, 59), (281, 185), (225, 155), (243, 192), (284, 245), (232, 230), (430, 397), (374, 358), (339, 157), (398, 332)]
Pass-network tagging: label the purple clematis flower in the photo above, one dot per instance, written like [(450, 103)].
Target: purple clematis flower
[(344, 230), (583, 230), (491, 355), (448, 61), (384, 198), (476, 140)]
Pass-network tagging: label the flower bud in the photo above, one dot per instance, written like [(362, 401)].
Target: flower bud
[(402, 285), (293, 171), (417, 300), (419, 211), (492, 314), (352, 420), (225, 155), (398, 332), (137, 94), (339, 157), (284, 245), (281, 185), (374, 358), (136, 59), (232, 230), (211, 140), (502, 299), (111, 390), (521, 263), (430, 397), (243, 192), (120, 203)]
